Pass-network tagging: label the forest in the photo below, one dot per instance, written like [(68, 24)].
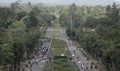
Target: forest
[(95, 28), (20, 30)]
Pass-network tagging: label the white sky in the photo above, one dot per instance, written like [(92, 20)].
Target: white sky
[(117, 0), (54, 2)]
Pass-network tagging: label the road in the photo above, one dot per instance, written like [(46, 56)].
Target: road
[(39, 63), (61, 34), (71, 47)]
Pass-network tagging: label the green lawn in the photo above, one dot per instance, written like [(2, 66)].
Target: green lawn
[(62, 64), (59, 47)]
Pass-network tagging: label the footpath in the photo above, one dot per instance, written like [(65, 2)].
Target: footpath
[(88, 57), (27, 64)]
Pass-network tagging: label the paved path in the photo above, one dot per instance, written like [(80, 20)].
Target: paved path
[(71, 47), (77, 53), (39, 65), (82, 60)]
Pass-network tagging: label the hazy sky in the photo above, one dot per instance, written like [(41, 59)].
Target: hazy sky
[(54, 2)]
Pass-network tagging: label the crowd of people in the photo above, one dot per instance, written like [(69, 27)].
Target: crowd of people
[(84, 66)]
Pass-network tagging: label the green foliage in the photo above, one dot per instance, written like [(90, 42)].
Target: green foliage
[(17, 36), (64, 20), (113, 12), (6, 54), (19, 27), (90, 22), (45, 18), (20, 15), (5, 14), (103, 42)]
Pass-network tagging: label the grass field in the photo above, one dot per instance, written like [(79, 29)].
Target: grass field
[(59, 47), (62, 64)]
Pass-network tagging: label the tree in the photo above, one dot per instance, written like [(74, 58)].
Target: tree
[(64, 20), (5, 14), (105, 21), (20, 15), (108, 11), (17, 39), (72, 12), (115, 13), (15, 6), (6, 54), (32, 21), (46, 18), (90, 22)]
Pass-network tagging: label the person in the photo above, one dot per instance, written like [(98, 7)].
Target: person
[(91, 67), (87, 69), (70, 58), (84, 70), (82, 66), (92, 64), (79, 61), (73, 55), (96, 66), (29, 62), (78, 57), (23, 69), (73, 51), (26, 65)]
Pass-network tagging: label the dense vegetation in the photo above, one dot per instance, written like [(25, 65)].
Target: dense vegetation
[(19, 31), (97, 30)]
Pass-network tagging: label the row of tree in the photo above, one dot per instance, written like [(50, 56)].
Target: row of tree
[(19, 31), (97, 34), (17, 36)]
